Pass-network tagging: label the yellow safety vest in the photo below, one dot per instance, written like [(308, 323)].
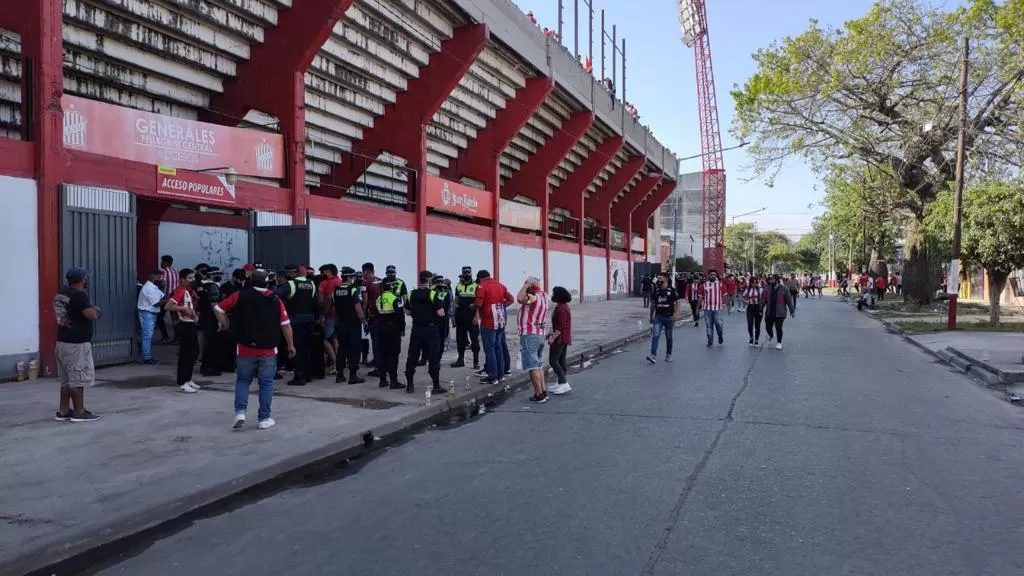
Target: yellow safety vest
[(386, 303)]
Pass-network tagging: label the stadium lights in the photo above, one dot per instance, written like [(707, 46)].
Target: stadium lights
[(690, 25)]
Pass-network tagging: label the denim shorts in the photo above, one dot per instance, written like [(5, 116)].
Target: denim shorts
[(329, 324), (531, 346)]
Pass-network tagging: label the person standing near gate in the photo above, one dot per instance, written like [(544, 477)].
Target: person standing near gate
[(425, 308), (183, 304), (209, 295), (260, 319), (149, 303), (75, 315), (444, 293), (492, 298), (349, 319), (301, 305), (169, 277), (467, 323), (391, 328)]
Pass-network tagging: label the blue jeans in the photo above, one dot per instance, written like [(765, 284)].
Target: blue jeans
[(494, 359), (712, 322), (662, 323), (263, 369), (147, 324), (506, 358)]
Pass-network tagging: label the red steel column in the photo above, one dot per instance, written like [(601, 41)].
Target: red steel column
[(293, 127), (42, 47), (417, 160)]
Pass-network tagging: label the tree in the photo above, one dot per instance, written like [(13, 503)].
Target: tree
[(992, 233), (687, 264), (882, 91), (782, 258), (745, 243)]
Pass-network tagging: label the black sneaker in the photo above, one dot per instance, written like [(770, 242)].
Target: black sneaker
[(458, 364), (534, 398), (373, 373), (489, 381), (437, 390), (297, 382), (84, 416), (396, 385), (542, 398), (421, 363), (720, 340), (62, 417), (340, 379), (356, 379), (151, 362), (507, 373), (383, 383), (481, 371)]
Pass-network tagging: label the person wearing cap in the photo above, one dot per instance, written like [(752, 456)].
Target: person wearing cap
[(182, 303), (444, 294), (390, 328), (300, 301), (208, 290), (259, 320), (328, 318), (400, 288), (75, 315), (492, 298), (466, 320), (347, 301), (426, 309), (372, 288)]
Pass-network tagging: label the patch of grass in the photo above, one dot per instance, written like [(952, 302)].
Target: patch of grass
[(920, 326)]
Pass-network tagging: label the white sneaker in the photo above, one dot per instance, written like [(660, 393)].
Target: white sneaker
[(264, 424), (187, 388), (239, 421), (778, 346), (770, 339), (194, 385), (559, 389)]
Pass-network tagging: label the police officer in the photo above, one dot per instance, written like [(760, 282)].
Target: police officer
[(443, 289), (400, 288), (208, 290), (348, 326), (299, 295), (425, 308), (467, 330), (391, 328)]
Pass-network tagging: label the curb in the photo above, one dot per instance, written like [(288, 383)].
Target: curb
[(97, 541)]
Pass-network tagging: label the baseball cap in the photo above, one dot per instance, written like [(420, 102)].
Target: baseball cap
[(258, 276), (76, 274), (249, 267)]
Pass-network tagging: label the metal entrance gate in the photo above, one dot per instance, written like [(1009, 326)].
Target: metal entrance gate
[(98, 233), (278, 246)]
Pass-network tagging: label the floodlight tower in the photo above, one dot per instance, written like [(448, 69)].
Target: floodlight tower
[(693, 24)]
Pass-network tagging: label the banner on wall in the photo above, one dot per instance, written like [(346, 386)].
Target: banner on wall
[(109, 130), (618, 239), (198, 186), (519, 215), (454, 198), (637, 245), (617, 270)]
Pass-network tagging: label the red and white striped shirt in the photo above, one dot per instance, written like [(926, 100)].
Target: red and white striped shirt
[(752, 294), (533, 313), (170, 279), (711, 292)]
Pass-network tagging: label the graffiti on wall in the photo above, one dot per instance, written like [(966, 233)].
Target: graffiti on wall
[(617, 277), (227, 248)]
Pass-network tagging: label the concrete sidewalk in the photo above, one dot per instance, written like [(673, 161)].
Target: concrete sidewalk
[(999, 354), (158, 454)]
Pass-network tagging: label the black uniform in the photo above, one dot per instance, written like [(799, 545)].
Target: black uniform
[(348, 329), (227, 339), (302, 311), (390, 329), (423, 304), (467, 333), (209, 296)]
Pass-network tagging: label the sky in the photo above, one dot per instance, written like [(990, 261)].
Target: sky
[(660, 83)]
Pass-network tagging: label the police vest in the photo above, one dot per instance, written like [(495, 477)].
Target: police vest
[(465, 295), (422, 307), (256, 320), (388, 303), (303, 301), (345, 297)]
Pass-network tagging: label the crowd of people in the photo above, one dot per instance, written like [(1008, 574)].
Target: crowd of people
[(314, 323)]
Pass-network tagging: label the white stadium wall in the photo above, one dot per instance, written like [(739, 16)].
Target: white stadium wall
[(595, 278), (227, 248), (19, 306), (352, 244), (519, 262), (565, 272), (446, 255)]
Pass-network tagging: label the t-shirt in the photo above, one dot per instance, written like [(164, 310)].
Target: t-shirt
[(533, 313), (326, 292), (491, 299), (371, 291), (72, 326), (188, 298), (665, 301)]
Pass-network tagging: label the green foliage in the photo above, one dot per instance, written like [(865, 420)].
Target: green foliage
[(745, 243), (687, 264), (993, 227)]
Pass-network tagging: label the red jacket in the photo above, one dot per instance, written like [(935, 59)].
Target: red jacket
[(491, 299)]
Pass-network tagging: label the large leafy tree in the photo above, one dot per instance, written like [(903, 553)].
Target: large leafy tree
[(862, 210), (745, 244), (992, 232), (882, 91)]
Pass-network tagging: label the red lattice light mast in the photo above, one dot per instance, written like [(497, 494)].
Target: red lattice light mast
[(693, 23)]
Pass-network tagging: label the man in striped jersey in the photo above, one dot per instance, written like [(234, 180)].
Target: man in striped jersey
[(711, 297), (170, 282), (533, 309)]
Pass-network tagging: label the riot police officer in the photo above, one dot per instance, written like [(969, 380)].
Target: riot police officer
[(348, 327), (443, 289), (400, 288), (425, 308), (467, 330), (299, 295), (391, 328), (208, 289)]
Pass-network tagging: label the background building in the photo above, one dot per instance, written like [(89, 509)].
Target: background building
[(690, 221)]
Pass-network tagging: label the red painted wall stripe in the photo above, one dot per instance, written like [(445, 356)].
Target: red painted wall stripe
[(458, 229), (619, 255), (510, 238), (16, 158), (593, 251), (345, 210), (563, 246)]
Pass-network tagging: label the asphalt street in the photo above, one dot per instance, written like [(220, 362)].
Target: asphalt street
[(849, 452)]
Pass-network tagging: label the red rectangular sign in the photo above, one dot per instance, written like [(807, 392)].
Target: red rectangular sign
[(100, 128), (456, 198), (197, 186)]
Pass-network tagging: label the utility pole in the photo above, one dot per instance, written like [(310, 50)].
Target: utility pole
[(675, 228), (953, 284)]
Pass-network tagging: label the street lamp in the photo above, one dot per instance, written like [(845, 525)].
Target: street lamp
[(758, 211)]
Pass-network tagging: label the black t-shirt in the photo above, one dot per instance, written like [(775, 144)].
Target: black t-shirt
[(665, 301), (646, 284), (345, 297), (72, 326)]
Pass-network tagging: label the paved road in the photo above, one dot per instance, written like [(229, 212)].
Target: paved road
[(850, 452)]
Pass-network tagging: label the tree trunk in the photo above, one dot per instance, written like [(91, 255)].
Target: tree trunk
[(919, 283), (878, 265), (996, 284)]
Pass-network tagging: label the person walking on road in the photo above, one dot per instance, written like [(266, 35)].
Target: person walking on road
[(691, 293), (646, 288), (665, 305), (752, 299), (777, 299), (259, 321), (75, 315), (533, 311), (560, 339), (491, 300), (426, 309), (712, 297)]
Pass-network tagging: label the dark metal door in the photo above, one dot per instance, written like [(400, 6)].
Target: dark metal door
[(98, 233), (278, 246), (641, 269)]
